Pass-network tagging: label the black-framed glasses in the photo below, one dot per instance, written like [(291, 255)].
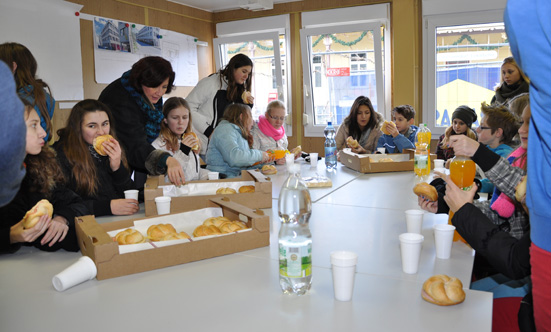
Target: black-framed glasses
[(482, 127), (275, 118)]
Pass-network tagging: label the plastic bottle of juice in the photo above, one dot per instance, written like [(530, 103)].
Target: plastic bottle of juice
[(462, 173), (422, 151)]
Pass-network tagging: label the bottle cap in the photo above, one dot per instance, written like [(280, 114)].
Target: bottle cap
[(329, 123)]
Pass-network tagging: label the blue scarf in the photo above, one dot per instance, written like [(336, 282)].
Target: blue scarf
[(153, 116)]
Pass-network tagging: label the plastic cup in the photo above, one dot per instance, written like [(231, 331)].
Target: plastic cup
[(314, 159), (82, 270), (213, 175), (290, 158), (443, 238), (410, 248), (163, 204), (414, 221), (131, 194), (381, 150), (344, 268), (438, 163)]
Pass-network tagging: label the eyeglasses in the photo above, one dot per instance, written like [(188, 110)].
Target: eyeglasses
[(482, 128), (275, 118)]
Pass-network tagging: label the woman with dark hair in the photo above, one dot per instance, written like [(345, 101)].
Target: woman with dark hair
[(44, 180), (362, 124), (99, 180), (137, 105), (178, 139), (209, 99), (231, 144), (29, 87)]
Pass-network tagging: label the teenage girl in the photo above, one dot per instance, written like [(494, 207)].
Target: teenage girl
[(513, 82), (462, 120)]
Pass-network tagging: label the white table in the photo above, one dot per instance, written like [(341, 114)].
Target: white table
[(233, 293), (241, 291)]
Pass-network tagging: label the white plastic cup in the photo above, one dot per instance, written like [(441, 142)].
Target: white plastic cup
[(443, 238), (163, 204), (314, 159), (381, 150), (131, 194), (410, 248), (290, 159), (414, 221), (213, 175), (438, 163), (82, 270), (344, 268)]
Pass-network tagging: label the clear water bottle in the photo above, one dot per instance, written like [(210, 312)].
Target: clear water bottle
[(295, 239), (330, 147)]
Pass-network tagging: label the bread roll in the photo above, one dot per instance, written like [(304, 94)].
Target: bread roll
[(38, 210), (176, 236), (443, 290), (196, 146), (98, 144), (230, 227), (129, 236), (245, 96), (158, 232), (203, 230), (225, 191), (297, 151), (426, 191), (383, 128), (269, 170), (520, 191), (352, 143), (246, 189)]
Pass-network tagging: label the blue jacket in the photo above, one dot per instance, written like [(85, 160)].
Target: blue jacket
[(229, 152), (503, 150), (398, 143), (529, 31)]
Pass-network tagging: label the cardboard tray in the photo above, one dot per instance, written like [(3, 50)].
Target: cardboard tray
[(260, 199), (95, 243), (363, 162)]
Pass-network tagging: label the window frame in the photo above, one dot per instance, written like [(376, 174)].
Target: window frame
[(316, 130), (431, 23)]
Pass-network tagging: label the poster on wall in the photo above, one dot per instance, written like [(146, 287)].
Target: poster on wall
[(118, 45)]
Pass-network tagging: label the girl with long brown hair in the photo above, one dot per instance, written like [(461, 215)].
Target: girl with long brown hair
[(29, 86), (178, 139), (44, 180), (231, 144), (99, 180)]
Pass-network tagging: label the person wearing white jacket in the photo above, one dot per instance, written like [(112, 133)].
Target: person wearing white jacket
[(210, 97), (175, 140)]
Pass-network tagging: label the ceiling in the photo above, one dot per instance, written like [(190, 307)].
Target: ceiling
[(218, 5)]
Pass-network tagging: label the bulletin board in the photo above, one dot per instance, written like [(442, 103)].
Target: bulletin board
[(118, 45), (51, 31)]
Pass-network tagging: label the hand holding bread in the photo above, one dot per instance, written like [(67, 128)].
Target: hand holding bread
[(388, 125), (443, 290), (98, 144), (190, 139), (352, 143), (43, 207), (426, 191), (247, 97)]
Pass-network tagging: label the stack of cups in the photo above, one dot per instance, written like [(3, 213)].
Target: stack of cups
[(443, 237), (82, 270), (163, 204), (344, 268), (289, 160), (314, 159), (410, 247), (414, 221)]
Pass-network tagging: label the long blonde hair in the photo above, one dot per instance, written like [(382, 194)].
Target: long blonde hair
[(510, 60), (170, 138), (238, 114)]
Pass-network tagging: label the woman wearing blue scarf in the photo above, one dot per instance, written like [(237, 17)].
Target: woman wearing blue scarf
[(136, 102)]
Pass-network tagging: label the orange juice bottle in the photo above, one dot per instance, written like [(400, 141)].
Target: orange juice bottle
[(279, 153), (462, 173), (422, 151)]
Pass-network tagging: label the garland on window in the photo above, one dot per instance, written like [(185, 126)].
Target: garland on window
[(260, 46), (472, 42), (340, 41)]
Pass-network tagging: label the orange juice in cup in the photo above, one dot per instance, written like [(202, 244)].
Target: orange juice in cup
[(462, 173)]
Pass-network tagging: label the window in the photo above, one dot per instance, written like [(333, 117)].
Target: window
[(463, 57), (342, 61), (263, 40)]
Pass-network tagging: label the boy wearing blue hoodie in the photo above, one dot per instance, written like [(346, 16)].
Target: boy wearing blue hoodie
[(401, 136)]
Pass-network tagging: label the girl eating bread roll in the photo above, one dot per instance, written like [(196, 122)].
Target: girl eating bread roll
[(43, 180), (93, 160), (178, 139)]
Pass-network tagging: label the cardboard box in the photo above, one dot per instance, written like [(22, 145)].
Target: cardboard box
[(99, 246), (260, 199), (368, 163)]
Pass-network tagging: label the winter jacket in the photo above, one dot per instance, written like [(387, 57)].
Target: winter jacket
[(264, 142), (229, 152)]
